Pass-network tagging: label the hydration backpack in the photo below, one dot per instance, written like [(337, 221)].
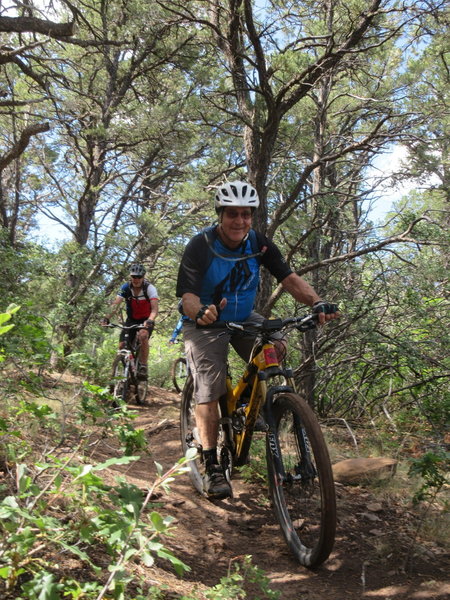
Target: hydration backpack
[(137, 308), (256, 243)]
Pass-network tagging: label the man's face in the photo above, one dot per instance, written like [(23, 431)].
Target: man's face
[(235, 224), (136, 280)]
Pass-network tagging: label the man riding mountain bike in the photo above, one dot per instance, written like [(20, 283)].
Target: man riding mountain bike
[(218, 279), (141, 300)]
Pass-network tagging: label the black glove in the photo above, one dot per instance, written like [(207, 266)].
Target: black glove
[(322, 306), (104, 321), (201, 313), (149, 325)]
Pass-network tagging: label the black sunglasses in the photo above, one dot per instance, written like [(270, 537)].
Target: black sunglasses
[(137, 276)]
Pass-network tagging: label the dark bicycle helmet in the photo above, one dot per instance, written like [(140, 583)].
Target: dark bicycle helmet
[(137, 270), (236, 193)]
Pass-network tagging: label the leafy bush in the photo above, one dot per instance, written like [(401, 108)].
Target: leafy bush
[(63, 504), (243, 574), (433, 468)]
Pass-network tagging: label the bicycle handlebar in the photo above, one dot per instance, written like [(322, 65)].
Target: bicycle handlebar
[(141, 326), (303, 323)]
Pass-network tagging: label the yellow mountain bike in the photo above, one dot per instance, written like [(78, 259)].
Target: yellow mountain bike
[(299, 470)]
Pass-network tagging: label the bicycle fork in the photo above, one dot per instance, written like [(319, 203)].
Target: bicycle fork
[(272, 436), (130, 364), (304, 471)]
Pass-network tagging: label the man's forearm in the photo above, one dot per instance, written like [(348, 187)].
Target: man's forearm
[(191, 305), (154, 309), (300, 289)]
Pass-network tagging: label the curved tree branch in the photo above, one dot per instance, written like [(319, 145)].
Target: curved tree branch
[(20, 146), (401, 238), (35, 25)]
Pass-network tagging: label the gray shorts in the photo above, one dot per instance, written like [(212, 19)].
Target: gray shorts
[(207, 353)]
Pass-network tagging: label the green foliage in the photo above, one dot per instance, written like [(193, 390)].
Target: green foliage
[(29, 343), (256, 469), (433, 468), (98, 515), (160, 360), (4, 318), (243, 574), (97, 407)]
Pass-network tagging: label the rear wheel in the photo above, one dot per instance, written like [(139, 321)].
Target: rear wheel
[(301, 480), (119, 385), (179, 373), (189, 433)]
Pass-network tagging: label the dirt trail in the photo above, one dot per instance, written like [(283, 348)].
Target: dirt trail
[(371, 547)]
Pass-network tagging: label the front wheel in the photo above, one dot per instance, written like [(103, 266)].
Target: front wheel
[(120, 386), (141, 388), (179, 373), (301, 480)]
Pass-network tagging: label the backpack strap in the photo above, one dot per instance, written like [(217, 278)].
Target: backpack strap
[(258, 245), (258, 248), (145, 290), (129, 293)]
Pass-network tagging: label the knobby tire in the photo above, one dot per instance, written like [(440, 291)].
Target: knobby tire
[(305, 504), (120, 385), (141, 389), (179, 373), (187, 426), (140, 385)]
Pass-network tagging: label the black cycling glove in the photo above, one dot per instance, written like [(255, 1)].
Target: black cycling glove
[(322, 306), (149, 325)]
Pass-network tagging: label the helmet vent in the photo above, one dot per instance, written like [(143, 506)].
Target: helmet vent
[(236, 193)]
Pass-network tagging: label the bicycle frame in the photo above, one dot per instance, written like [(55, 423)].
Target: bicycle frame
[(130, 361), (131, 351), (239, 419)]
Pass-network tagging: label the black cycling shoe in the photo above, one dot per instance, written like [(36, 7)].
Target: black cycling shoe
[(142, 372), (215, 484)]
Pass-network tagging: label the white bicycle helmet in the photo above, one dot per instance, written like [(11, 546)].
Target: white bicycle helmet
[(236, 193), (137, 270)]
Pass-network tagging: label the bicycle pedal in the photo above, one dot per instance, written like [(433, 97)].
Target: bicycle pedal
[(260, 424)]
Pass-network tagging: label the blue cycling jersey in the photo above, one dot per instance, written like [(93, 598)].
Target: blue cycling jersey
[(235, 281), (213, 277)]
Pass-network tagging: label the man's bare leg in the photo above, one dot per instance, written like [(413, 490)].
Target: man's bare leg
[(144, 347), (207, 419)]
